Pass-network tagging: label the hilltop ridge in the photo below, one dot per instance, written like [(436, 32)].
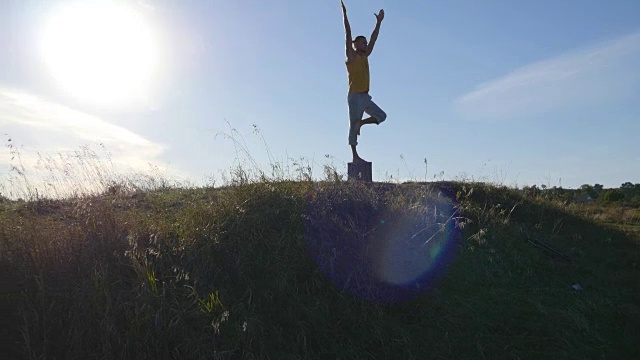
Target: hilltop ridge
[(321, 270)]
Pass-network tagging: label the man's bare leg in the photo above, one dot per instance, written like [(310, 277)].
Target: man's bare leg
[(369, 120), (356, 157)]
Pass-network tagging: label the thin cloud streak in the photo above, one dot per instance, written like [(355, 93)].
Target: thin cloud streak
[(23, 109), (57, 125), (41, 130), (591, 76)]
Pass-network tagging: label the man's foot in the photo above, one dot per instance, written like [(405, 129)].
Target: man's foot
[(359, 160), (366, 121)]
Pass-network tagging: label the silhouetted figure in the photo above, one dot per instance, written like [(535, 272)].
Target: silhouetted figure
[(359, 100)]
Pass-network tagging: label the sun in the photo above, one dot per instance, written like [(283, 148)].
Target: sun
[(101, 51)]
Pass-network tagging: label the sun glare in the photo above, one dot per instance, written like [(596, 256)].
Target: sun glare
[(101, 51)]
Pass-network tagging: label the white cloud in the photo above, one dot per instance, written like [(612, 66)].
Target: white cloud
[(585, 77), (43, 129), (24, 109)]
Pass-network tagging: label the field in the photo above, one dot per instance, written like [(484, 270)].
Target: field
[(319, 270)]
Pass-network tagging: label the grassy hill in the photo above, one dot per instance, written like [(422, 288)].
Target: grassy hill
[(320, 270)]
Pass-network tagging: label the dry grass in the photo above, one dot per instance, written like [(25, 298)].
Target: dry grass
[(271, 268)]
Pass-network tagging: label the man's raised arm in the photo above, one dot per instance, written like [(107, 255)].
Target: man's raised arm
[(347, 29), (374, 35)]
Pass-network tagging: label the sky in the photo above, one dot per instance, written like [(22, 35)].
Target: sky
[(515, 93)]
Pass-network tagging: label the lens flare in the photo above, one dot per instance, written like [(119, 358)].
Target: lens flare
[(402, 262), (390, 256)]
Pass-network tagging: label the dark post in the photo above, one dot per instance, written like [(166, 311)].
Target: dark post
[(359, 171)]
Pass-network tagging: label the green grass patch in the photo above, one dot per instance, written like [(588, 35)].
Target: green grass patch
[(313, 270)]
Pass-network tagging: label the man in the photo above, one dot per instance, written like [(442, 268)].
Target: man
[(359, 99)]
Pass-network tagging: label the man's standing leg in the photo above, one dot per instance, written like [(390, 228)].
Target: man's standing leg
[(356, 110)]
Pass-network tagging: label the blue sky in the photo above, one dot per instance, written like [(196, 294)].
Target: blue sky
[(520, 93)]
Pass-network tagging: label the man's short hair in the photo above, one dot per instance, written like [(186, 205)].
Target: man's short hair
[(360, 37)]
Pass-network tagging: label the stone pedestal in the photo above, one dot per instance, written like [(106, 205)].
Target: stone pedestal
[(359, 171)]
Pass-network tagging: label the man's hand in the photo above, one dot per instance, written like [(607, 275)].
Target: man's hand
[(347, 30), (374, 35)]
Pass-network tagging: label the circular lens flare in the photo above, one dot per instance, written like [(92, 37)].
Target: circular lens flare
[(403, 262), (401, 255)]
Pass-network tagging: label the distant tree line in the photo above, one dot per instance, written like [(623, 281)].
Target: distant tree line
[(628, 194)]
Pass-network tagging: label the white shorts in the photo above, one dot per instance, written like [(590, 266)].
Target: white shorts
[(360, 103)]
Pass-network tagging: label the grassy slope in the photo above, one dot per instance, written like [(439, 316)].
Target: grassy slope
[(227, 273)]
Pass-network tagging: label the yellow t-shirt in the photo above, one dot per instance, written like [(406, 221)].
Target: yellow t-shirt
[(358, 70)]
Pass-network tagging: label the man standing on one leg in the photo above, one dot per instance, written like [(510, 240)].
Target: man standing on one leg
[(359, 99)]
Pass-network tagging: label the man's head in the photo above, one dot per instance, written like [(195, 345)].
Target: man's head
[(360, 43)]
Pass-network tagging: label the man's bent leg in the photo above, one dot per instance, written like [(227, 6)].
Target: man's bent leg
[(376, 114)]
